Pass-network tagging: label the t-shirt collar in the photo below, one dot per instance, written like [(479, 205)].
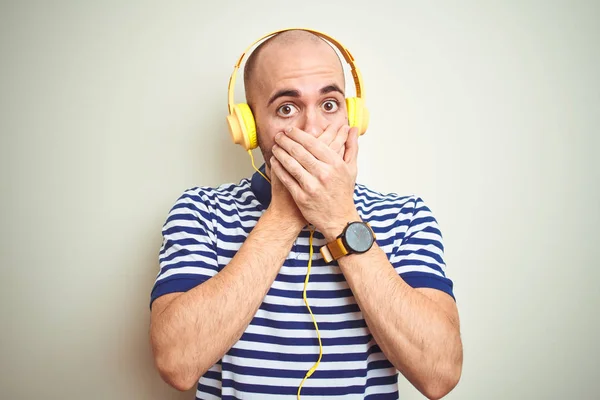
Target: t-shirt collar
[(261, 187)]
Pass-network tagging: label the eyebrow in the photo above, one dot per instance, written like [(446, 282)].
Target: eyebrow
[(296, 93)]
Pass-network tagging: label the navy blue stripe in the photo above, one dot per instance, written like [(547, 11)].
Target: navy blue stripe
[(292, 357), (382, 380), (285, 341), (293, 390), (176, 283), (318, 374), (382, 207), (213, 375), (237, 224), (295, 374), (383, 396), (198, 230), (232, 238), (422, 252), (423, 242), (380, 364), (294, 325), (183, 242), (208, 389), (188, 207), (315, 294), (190, 263), (423, 280), (183, 251), (422, 220), (406, 263), (313, 278), (372, 196), (317, 310)]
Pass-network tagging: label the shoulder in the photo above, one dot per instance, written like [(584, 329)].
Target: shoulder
[(208, 197), (205, 202), (226, 191), (371, 201)]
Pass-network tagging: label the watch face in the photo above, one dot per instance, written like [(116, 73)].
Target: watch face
[(358, 237)]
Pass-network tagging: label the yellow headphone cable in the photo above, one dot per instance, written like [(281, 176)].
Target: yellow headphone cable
[(310, 254)]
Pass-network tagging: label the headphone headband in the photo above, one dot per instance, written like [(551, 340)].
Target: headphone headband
[(356, 75)]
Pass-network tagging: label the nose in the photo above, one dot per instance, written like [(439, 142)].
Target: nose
[(314, 122)]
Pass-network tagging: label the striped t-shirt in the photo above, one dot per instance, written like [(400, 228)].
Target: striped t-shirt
[(207, 226)]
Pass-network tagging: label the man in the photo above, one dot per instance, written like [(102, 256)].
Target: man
[(227, 308)]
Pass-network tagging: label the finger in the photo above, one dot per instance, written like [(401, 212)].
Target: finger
[(351, 146), (314, 146), (283, 176), (293, 167), (297, 151), (340, 139), (328, 134)]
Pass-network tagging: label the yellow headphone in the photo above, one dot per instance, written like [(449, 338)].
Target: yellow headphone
[(241, 121)]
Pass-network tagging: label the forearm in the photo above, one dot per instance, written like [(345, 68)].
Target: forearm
[(417, 336), (198, 327)]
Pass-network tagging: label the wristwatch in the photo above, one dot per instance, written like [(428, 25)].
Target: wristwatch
[(357, 237)]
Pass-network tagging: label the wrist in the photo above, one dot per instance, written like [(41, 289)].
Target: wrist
[(283, 222), (335, 228)]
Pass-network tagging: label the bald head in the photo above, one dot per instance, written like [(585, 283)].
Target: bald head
[(281, 48)]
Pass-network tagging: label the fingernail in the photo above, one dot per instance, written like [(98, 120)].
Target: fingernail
[(289, 129), (278, 136)]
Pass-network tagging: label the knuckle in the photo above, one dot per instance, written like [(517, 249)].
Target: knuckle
[(337, 163), (301, 198), (296, 174), (311, 190), (324, 175)]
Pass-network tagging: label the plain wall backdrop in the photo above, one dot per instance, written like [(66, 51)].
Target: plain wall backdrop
[(109, 110)]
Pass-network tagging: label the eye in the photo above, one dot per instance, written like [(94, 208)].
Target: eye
[(287, 110), (330, 106)]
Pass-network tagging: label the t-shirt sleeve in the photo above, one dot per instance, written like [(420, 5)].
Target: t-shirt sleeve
[(188, 254), (418, 255)]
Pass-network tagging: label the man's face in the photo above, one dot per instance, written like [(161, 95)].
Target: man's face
[(300, 85)]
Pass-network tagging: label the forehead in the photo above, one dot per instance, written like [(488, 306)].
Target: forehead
[(302, 66)]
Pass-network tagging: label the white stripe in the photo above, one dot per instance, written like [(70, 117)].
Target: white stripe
[(419, 257), (192, 247), (303, 366), (302, 333), (417, 268), (315, 382), (317, 286), (188, 258), (342, 301), (291, 349), (206, 396), (185, 235), (288, 317), (264, 396), (187, 270)]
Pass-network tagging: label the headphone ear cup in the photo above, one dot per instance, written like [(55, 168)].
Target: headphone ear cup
[(358, 115), (242, 126)]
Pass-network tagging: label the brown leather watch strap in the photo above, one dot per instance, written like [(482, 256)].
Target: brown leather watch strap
[(334, 250)]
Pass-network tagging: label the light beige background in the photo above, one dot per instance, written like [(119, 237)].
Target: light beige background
[(110, 109)]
